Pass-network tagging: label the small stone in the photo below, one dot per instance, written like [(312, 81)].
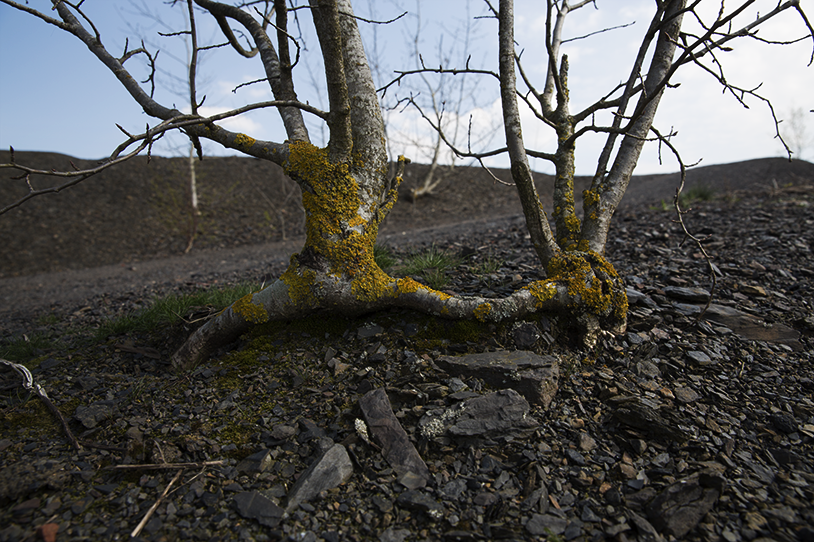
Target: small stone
[(700, 358), (785, 423), (525, 335), (48, 532), (90, 416), (754, 521), (693, 295), (533, 376), (586, 442), (546, 524), (681, 506), (686, 395), (754, 291), (254, 505), (369, 330), (397, 449), (499, 414), (283, 432), (331, 469), (394, 535), (418, 500), (256, 463)]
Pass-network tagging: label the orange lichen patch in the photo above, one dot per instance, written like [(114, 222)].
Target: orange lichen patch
[(244, 141), (299, 282), (409, 286), (585, 275), (542, 290), (482, 311), (590, 197), (249, 311)]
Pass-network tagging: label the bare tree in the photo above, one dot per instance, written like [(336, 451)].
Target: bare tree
[(442, 100), (346, 191), (795, 131)]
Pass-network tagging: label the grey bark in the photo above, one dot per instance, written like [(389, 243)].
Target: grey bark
[(536, 220), (610, 189)]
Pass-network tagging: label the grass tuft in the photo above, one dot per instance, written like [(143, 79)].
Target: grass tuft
[(430, 265), (174, 308)]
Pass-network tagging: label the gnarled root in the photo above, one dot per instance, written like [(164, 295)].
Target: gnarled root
[(583, 291)]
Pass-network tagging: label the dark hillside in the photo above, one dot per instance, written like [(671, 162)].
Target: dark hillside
[(137, 211)]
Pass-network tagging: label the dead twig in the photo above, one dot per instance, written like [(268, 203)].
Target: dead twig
[(153, 508), (30, 385), (167, 466)]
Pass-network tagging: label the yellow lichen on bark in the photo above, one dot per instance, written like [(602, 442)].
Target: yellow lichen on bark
[(244, 141), (482, 311), (578, 270), (299, 282), (542, 290), (249, 311)]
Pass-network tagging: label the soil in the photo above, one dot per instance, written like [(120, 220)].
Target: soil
[(679, 429)]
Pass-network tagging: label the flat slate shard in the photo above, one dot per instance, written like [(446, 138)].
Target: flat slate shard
[(254, 505), (682, 505), (693, 295), (503, 413), (534, 377), (90, 416), (331, 469), (397, 449), (753, 328), (640, 416)]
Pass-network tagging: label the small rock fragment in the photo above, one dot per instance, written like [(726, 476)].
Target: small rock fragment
[(682, 505), (533, 376), (254, 505), (503, 413), (331, 469), (90, 416), (546, 524), (692, 295), (397, 449), (256, 463)]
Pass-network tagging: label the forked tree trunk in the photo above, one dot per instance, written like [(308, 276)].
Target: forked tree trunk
[(346, 195)]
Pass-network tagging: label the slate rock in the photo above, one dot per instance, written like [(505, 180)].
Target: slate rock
[(640, 416), (90, 416), (700, 358), (331, 469), (397, 449), (681, 506), (546, 524), (256, 463), (394, 535), (415, 499), (753, 328), (636, 298), (533, 376), (254, 505), (785, 423), (499, 414), (692, 295), (525, 335)]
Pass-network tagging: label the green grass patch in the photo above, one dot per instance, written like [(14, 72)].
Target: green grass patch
[(25, 348), (174, 308), (383, 257), (488, 266), (431, 265), (696, 193)]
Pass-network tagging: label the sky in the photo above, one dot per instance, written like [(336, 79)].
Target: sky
[(56, 96)]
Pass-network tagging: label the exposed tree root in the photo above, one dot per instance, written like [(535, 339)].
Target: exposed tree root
[(584, 292)]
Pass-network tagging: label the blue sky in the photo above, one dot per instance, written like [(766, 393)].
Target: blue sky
[(55, 96)]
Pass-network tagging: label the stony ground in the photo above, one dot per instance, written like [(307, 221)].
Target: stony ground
[(675, 430)]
